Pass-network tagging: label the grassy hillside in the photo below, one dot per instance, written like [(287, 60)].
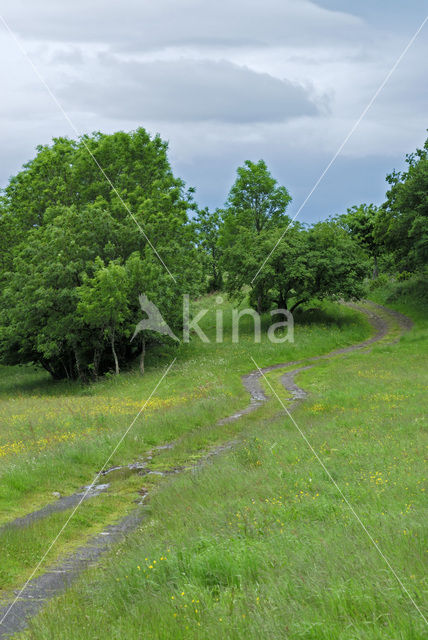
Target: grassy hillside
[(259, 542), (54, 437)]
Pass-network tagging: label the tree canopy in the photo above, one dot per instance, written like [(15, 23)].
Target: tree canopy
[(77, 260), (208, 226), (359, 222), (90, 227), (402, 223), (322, 261)]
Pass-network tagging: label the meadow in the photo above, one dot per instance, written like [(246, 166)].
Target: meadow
[(258, 542), (64, 432)]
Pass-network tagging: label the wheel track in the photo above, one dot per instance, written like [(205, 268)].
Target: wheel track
[(58, 578)]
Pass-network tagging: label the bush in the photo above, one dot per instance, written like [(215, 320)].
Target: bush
[(382, 280), (414, 288), (404, 275)]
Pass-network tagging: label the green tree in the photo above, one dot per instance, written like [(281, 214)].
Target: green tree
[(255, 201), (208, 229), (103, 302), (61, 217), (38, 319), (402, 223), (255, 209), (324, 261), (336, 262), (360, 222)]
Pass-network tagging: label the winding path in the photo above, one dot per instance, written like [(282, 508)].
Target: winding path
[(57, 578)]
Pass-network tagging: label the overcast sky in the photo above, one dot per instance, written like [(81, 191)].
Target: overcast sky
[(225, 81)]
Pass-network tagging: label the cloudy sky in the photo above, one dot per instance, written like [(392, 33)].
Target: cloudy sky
[(225, 81)]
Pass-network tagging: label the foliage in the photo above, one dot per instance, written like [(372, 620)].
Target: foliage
[(253, 215), (77, 248), (103, 303), (359, 222), (255, 201), (72, 238), (208, 233), (402, 223), (412, 290), (323, 261)]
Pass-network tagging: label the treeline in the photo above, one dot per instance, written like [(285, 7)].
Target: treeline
[(79, 245)]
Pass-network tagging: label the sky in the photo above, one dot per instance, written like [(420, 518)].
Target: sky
[(223, 82)]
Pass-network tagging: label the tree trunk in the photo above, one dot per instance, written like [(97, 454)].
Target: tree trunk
[(47, 366), (67, 375), (113, 350), (143, 353), (282, 301), (295, 305), (97, 358), (375, 268), (82, 371), (259, 305)]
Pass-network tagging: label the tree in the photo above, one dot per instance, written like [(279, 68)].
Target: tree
[(208, 230), (254, 209), (359, 222), (282, 264), (255, 201), (38, 319), (402, 223), (103, 302), (336, 263), (62, 220), (321, 262)]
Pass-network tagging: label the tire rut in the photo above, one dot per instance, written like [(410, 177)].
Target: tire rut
[(57, 579)]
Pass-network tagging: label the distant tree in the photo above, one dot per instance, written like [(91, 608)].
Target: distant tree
[(255, 201), (321, 262), (360, 222), (255, 207), (336, 263), (299, 264), (402, 223), (208, 230)]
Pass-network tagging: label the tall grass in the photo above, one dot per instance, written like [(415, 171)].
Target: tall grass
[(259, 543), (55, 437)]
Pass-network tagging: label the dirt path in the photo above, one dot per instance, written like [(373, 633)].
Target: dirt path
[(57, 578), (251, 381), (16, 613)]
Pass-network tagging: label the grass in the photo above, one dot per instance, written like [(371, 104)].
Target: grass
[(258, 543), (54, 437)]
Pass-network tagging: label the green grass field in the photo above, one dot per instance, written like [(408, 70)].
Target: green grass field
[(258, 542)]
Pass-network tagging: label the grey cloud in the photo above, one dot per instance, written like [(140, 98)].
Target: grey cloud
[(187, 90), (147, 24), (70, 56), (216, 115)]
